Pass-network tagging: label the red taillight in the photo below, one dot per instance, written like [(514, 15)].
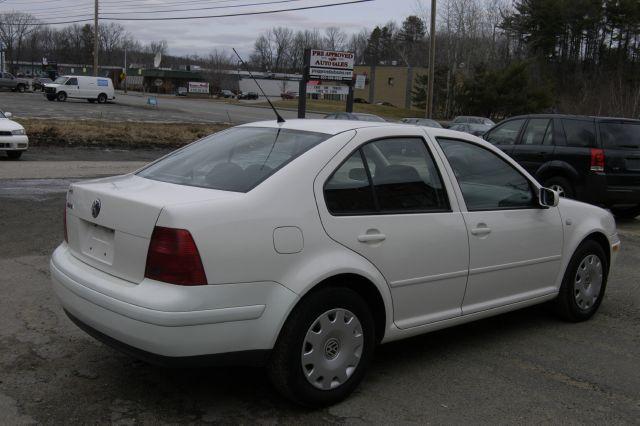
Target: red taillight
[(64, 220), (174, 258), (597, 160)]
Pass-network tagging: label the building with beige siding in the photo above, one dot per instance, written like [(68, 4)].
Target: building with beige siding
[(388, 83)]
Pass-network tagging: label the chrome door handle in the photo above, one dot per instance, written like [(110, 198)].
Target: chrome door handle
[(371, 238), (481, 230)]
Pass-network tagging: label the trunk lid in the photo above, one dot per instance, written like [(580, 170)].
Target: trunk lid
[(110, 221)]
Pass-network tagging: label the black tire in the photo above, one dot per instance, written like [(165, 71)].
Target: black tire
[(285, 365), (51, 98), (91, 101), (626, 212), (61, 97), (565, 304), (102, 98), (21, 88), (14, 155), (559, 182)]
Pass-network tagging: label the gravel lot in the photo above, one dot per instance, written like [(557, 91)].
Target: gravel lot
[(133, 107), (522, 367)]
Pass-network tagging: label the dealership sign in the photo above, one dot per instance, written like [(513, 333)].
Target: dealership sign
[(323, 89), (331, 65), (198, 87)]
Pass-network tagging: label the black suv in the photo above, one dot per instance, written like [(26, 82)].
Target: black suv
[(592, 159)]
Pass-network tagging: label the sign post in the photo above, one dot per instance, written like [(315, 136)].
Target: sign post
[(326, 65)]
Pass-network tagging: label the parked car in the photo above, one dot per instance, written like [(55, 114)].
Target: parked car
[(358, 116), (248, 95), (92, 89), (182, 91), (592, 159), (8, 81), (465, 119), (13, 138), (227, 94), (39, 82), (302, 245), (289, 95), (471, 128), (360, 101), (427, 122)]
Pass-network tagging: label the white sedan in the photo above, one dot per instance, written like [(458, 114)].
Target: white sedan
[(13, 138), (303, 245)]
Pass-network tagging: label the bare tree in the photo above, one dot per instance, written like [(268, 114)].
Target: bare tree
[(14, 29), (334, 38)]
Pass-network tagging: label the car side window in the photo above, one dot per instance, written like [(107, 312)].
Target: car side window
[(72, 82), (486, 180), (579, 133), (505, 134), (348, 190), (399, 173), (536, 132)]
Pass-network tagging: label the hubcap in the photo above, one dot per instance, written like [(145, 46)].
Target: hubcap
[(588, 282), (558, 189), (332, 349)]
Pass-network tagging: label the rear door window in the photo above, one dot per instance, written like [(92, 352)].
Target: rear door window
[(538, 132), (505, 134), (620, 135), (579, 133)]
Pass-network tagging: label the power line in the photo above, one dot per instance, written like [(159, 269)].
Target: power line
[(176, 18), (201, 8)]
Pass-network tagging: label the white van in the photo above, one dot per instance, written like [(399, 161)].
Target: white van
[(80, 87)]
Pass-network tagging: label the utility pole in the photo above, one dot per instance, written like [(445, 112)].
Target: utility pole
[(95, 39), (432, 61)]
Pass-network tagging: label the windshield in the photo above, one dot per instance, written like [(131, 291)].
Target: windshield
[(2, 115), (620, 135), (60, 80), (234, 160)]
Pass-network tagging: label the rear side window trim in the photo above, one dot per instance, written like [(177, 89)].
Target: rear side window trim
[(378, 212)]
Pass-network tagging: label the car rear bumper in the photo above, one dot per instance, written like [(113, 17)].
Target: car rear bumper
[(623, 195), (176, 323), (14, 143)]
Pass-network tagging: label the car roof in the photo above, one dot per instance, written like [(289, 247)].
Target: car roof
[(327, 126), (588, 117)]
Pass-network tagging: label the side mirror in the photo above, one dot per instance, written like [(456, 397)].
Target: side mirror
[(8, 114), (358, 174), (548, 197)]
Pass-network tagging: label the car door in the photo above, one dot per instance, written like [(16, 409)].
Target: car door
[(505, 134), (515, 245), (72, 88), (385, 198), (536, 146)]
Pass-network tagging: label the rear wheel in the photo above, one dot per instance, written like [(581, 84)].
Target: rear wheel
[(626, 212), (584, 283), (62, 96), (561, 185), (102, 98), (324, 348), (14, 155), (21, 88)]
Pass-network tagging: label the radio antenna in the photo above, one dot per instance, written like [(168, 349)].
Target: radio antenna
[(279, 117)]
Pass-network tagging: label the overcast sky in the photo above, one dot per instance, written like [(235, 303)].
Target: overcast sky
[(203, 35)]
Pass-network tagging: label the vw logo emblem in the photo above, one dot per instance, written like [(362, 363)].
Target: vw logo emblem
[(95, 208), (332, 348)]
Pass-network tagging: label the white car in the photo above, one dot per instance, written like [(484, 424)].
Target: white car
[(93, 89), (13, 138), (305, 244)]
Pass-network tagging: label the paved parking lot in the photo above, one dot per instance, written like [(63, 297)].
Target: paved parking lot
[(133, 107), (522, 367)]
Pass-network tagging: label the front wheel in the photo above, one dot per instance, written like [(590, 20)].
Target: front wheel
[(51, 97), (584, 283), (561, 185), (21, 88), (324, 348), (62, 96)]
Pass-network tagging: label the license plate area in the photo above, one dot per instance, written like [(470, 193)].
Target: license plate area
[(98, 243)]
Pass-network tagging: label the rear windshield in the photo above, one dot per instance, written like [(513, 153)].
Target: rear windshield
[(237, 159), (620, 135)]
